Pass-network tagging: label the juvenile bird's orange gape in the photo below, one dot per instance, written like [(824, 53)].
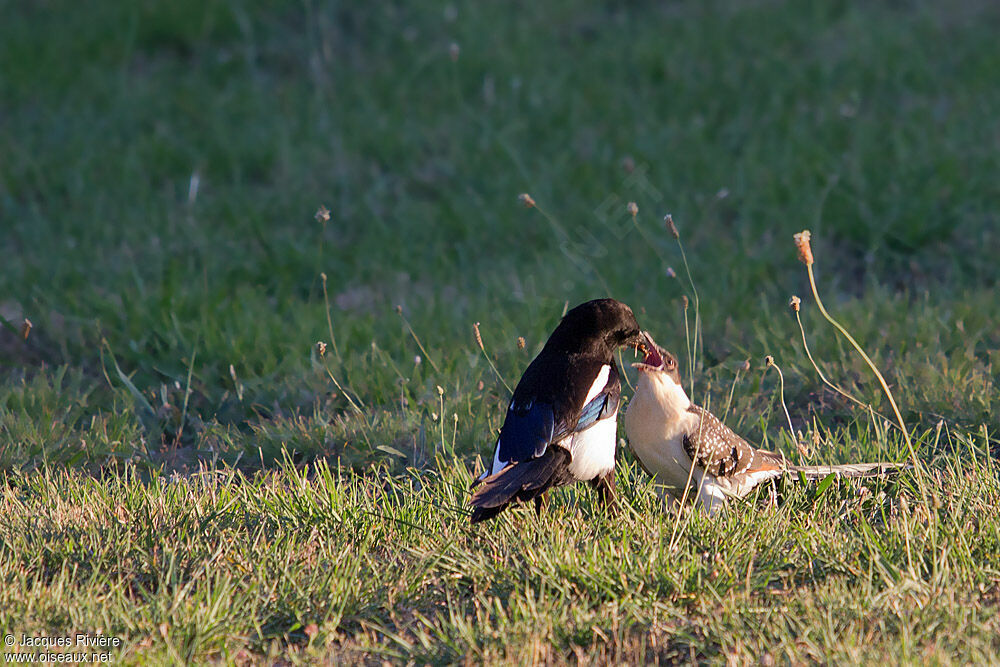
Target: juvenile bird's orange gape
[(681, 443), (561, 425)]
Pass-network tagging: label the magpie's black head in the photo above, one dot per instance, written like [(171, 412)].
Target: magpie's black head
[(596, 327)]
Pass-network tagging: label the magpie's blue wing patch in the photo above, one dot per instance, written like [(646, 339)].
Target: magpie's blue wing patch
[(532, 425), (527, 431), (601, 407)]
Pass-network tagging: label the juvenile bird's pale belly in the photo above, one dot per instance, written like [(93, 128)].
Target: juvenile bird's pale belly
[(668, 461), (670, 466), (656, 437), (593, 450)]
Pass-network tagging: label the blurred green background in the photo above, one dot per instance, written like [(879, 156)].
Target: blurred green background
[(162, 164), (161, 168)]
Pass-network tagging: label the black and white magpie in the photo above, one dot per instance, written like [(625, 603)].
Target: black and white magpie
[(561, 424)]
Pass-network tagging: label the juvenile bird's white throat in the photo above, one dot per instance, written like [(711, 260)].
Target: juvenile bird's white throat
[(662, 388), (657, 412), (658, 378)]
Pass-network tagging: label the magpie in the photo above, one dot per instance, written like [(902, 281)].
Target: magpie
[(685, 446), (562, 422)]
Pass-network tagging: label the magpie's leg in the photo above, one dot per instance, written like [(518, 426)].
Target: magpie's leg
[(606, 489)]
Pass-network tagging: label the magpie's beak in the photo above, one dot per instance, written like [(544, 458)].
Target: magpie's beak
[(638, 343)]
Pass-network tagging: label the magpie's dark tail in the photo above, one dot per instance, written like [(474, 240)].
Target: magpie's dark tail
[(519, 482), (850, 470)]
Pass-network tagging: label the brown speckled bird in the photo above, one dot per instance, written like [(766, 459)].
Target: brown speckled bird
[(681, 443)]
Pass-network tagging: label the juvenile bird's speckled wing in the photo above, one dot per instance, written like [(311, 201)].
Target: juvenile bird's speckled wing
[(722, 453)]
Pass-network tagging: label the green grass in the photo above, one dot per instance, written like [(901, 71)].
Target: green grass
[(180, 469)]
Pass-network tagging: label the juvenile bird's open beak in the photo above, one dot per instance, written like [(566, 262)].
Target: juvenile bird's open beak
[(653, 359)]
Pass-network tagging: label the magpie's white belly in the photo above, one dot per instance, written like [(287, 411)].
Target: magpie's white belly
[(592, 451)]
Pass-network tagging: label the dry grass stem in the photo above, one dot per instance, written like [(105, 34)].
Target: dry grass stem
[(732, 388), (416, 339), (320, 348), (329, 319), (802, 242), (794, 303), (496, 371), (770, 363), (687, 342), (694, 344)]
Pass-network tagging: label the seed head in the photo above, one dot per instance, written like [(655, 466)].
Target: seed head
[(25, 328), (669, 221), (453, 51), (520, 342), (320, 348), (440, 390), (769, 361), (399, 310), (323, 214), (632, 208), (805, 250), (479, 337), (671, 273), (800, 444), (684, 300), (794, 303), (526, 199), (746, 365)]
